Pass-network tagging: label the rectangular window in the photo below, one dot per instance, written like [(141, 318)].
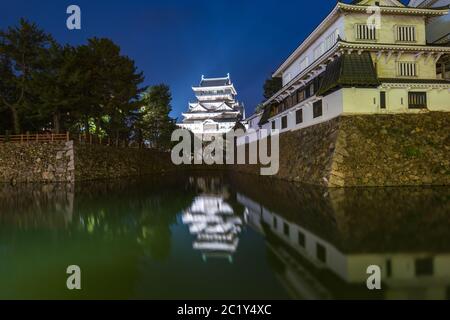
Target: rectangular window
[(417, 100), (365, 32), (321, 252), (317, 109), (407, 69), (383, 100), (406, 33), (299, 116), (301, 239), (301, 95), (286, 229), (311, 89), (273, 125), (284, 122), (294, 98), (388, 268)]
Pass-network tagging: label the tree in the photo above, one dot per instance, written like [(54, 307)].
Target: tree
[(22, 49), (272, 86), (155, 124)]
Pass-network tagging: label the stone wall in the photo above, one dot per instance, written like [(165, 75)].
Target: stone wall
[(363, 150), (103, 162), (37, 162), (368, 150), (66, 162)]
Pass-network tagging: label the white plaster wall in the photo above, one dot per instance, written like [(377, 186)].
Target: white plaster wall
[(294, 69)]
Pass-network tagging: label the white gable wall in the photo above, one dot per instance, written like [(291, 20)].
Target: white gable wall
[(295, 68)]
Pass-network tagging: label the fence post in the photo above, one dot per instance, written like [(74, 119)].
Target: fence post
[(67, 136)]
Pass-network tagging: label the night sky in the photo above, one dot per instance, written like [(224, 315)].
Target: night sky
[(175, 42)]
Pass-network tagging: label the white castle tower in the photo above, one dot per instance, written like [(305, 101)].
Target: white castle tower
[(216, 110)]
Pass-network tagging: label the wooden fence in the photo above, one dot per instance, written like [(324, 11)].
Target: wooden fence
[(77, 138), (39, 137)]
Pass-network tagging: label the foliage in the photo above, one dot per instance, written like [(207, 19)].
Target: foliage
[(155, 125), (87, 88), (272, 86)]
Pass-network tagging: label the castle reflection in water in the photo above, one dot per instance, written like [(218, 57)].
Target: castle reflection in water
[(316, 243), (399, 230)]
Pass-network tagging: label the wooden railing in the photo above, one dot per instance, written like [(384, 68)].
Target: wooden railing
[(77, 138), (39, 137)]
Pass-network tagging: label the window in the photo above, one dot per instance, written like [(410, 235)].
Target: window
[(299, 116), (406, 33), (284, 122), (304, 64), (388, 268), (407, 69), (301, 95), (417, 100), (383, 100), (311, 90), (317, 109), (301, 239), (321, 252), (273, 125), (365, 32), (424, 267), (286, 229)]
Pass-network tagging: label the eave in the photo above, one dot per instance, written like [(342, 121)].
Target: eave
[(396, 10), (342, 7), (340, 48), (392, 46)]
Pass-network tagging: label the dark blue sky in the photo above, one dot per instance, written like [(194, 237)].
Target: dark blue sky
[(175, 41)]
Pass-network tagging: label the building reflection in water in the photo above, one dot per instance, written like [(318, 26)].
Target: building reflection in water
[(328, 265), (213, 221)]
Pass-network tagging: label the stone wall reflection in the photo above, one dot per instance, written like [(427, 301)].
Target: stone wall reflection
[(322, 241)]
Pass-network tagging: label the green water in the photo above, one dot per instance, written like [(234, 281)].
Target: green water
[(220, 236)]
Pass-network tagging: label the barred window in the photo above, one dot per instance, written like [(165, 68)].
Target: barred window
[(407, 69), (417, 100), (406, 33), (365, 32), (317, 109)]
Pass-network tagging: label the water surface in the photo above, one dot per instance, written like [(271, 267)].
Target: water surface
[(219, 236)]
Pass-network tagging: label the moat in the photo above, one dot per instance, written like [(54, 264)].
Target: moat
[(222, 236)]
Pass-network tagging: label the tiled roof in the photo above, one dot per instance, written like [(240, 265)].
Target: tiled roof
[(349, 70)]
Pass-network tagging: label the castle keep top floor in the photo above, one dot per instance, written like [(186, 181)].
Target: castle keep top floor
[(401, 29)]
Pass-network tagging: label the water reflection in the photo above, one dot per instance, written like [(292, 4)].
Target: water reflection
[(404, 231), (215, 226), (142, 239)]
